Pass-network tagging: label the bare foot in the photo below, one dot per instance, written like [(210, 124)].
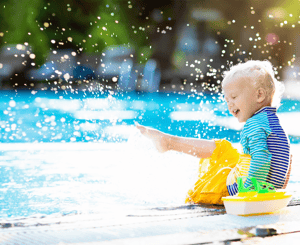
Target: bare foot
[(159, 139)]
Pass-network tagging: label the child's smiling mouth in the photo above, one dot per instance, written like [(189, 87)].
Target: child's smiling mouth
[(235, 112)]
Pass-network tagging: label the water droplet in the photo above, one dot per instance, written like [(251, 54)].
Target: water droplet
[(12, 103), (20, 47), (67, 76), (32, 56)]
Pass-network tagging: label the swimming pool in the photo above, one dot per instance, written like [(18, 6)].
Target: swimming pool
[(41, 116), (65, 153)]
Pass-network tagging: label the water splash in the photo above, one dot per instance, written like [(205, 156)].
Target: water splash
[(75, 99)]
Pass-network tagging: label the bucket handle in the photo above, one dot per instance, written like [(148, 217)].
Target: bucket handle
[(259, 187)]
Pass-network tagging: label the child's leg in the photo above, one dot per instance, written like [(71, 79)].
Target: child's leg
[(213, 174), (164, 142), (158, 138)]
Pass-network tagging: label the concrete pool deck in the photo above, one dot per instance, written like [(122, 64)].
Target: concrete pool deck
[(158, 225), (184, 227)]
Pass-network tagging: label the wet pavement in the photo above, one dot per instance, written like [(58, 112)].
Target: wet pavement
[(185, 224), (180, 225)]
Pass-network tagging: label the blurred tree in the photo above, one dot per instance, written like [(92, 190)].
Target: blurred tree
[(165, 31), (109, 27), (18, 24), (92, 25), (83, 25), (246, 25)]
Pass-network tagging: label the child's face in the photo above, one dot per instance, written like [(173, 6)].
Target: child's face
[(241, 97)]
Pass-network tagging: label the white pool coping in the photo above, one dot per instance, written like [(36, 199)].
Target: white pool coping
[(175, 229)]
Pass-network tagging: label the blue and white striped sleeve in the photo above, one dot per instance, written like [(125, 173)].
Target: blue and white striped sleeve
[(260, 156)]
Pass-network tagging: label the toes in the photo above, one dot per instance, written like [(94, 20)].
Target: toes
[(142, 129)]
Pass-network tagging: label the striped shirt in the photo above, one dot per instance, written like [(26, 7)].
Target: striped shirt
[(264, 139)]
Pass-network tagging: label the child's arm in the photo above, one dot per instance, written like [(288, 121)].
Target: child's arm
[(260, 156), (196, 147), (287, 178)]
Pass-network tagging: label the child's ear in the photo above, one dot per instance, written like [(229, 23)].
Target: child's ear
[(261, 95)]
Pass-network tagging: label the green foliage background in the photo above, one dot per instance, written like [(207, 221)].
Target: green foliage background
[(92, 25), (82, 25)]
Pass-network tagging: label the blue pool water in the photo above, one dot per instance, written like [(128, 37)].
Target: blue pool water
[(79, 152), (94, 117)]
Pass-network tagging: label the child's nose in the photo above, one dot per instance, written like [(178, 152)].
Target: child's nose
[(229, 103)]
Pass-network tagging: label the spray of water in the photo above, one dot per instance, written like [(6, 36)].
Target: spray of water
[(92, 70)]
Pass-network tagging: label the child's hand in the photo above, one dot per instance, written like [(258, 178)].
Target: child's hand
[(159, 139)]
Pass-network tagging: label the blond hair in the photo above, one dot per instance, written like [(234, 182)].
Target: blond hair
[(262, 74)]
